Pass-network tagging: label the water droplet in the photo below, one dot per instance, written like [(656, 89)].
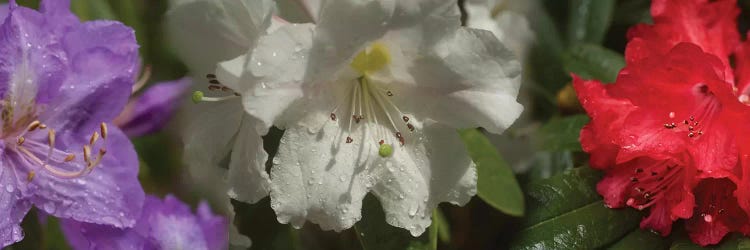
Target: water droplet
[(49, 207), (413, 210), (9, 188)]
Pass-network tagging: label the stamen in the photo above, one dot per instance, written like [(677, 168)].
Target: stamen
[(104, 130), (31, 176), (21, 139), (143, 80), (86, 153), (94, 138), (70, 158), (210, 76), (198, 97), (33, 126)]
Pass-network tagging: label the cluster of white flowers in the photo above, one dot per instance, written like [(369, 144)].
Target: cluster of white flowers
[(369, 95)]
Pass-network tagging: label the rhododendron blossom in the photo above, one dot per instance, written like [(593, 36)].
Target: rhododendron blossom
[(371, 97), (62, 82), (666, 131)]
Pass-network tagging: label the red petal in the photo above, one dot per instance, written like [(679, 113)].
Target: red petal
[(717, 212)]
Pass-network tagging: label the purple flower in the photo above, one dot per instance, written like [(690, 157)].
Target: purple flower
[(151, 111), (167, 224), (61, 83)]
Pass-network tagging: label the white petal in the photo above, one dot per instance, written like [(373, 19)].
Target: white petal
[(275, 73), (209, 135), (248, 180), (435, 169), (316, 176), (206, 32), (468, 80), (510, 24)]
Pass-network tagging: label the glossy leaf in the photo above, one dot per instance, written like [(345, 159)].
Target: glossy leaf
[(642, 240), (593, 62), (374, 233), (589, 20), (562, 134), (496, 182), (588, 227), (545, 164), (561, 194)]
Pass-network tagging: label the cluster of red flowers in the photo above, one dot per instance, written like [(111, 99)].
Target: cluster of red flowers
[(672, 134)]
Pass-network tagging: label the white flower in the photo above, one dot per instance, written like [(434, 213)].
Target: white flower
[(220, 135), (506, 19), (371, 98)]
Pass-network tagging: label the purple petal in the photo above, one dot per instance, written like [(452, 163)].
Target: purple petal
[(4, 8), (12, 208), (214, 227), (104, 58), (151, 111), (109, 195), (31, 63), (166, 224)]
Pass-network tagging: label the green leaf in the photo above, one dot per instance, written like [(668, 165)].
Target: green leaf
[(632, 12), (589, 20), (642, 240), (92, 9), (593, 62), (374, 233), (561, 194), (734, 241), (258, 221), (562, 134), (545, 164), (588, 227), (496, 182), (444, 229)]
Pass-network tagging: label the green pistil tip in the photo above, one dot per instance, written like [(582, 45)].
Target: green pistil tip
[(385, 150), (197, 97)]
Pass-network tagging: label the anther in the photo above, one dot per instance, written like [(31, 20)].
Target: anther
[(654, 173), (94, 138), (210, 76), (214, 81), (389, 93), (20, 141), (633, 179), (70, 158), (214, 87), (30, 176), (87, 153), (411, 127), (34, 125), (381, 142), (333, 117), (691, 134), (42, 126), (349, 139), (692, 118), (639, 170), (104, 130), (51, 138), (406, 118)]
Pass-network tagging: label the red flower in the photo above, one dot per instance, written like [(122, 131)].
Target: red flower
[(670, 125)]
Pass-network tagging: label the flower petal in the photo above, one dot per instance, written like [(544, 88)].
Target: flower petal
[(206, 32), (109, 195), (12, 207), (316, 176), (4, 9), (31, 65), (319, 177), (277, 69), (104, 59), (469, 80), (209, 135), (151, 111), (437, 169), (248, 179)]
